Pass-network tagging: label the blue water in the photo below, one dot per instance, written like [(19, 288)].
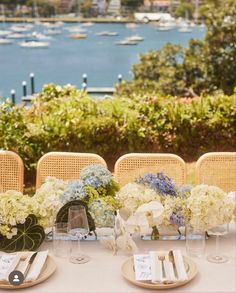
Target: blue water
[(66, 60)]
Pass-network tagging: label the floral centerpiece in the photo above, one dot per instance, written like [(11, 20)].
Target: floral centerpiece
[(24, 219), (163, 204)]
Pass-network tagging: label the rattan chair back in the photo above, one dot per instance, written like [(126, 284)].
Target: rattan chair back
[(217, 169), (11, 171), (133, 165), (64, 165)]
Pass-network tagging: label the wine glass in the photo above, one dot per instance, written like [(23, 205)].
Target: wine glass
[(78, 227), (217, 256)]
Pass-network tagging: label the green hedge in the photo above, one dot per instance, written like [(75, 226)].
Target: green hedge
[(65, 119)]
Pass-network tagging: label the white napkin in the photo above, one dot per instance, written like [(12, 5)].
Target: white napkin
[(156, 268), (37, 266), (180, 267), (8, 263), (169, 270)]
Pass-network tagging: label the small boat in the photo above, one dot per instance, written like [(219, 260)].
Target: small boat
[(135, 38), (52, 32), (4, 33), (127, 42), (52, 25), (87, 24), (76, 29), (40, 36), (17, 36), (4, 41), (34, 44), (78, 36), (185, 29), (107, 34), (21, 28), (131, 25)]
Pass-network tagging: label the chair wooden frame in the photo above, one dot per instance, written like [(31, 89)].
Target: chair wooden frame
[(11, 171), (130, 166), (64, 165), (217, 168)]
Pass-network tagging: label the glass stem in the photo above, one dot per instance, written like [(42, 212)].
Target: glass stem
[(217, 244)]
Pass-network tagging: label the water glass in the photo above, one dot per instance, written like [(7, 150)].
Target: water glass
[(195, 242), (61, 240)]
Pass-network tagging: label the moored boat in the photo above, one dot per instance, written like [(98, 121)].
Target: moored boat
[(34, 44)]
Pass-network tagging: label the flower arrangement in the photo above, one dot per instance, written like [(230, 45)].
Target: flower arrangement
[(20, 213), (167, 205)]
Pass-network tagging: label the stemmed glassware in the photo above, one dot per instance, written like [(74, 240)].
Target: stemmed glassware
[(78, 227), (217, 256)]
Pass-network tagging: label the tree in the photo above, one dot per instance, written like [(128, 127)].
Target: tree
[(185, 9), (204, 67), (132, 4)]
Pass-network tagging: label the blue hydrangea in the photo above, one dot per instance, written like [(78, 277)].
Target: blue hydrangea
[(185, 189), (75, 190), (102, 213), (159, 182), (96, 176), (177, 218)]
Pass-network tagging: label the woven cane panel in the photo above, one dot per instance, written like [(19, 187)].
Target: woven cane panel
[(217, 169), (66, 166), (11, 172), (131, 166)]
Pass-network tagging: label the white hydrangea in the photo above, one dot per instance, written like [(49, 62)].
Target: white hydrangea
[(133, 195), (209, 207), (15, 208), (46, 201)]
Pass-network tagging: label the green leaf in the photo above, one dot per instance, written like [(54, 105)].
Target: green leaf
[(29, 236), (62, 215)]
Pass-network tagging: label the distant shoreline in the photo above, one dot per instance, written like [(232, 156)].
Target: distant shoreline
[(66, 19)]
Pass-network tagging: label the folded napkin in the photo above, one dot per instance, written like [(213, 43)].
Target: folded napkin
[(8, 263), (156, 268), (149, 267), (180, 267), (37, 266)]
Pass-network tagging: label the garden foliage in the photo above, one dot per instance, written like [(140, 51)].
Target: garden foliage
[(65, 119)]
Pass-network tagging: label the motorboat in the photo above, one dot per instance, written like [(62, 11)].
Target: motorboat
[(78, 36), (135, 38), (185, 29), (127, 42), (76, 29), (131, 25), (107, 34), (17, 36), (40, 36), (52, 32), (4, 41), (4, 33), (34, 44), (87, 24), (53, 25), (21, 28)]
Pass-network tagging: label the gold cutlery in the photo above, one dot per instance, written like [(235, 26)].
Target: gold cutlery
[(161, 258), (31, 260)]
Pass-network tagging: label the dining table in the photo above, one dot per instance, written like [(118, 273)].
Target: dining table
[(103, 274)]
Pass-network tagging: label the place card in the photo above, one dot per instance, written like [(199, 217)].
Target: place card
[(142, 267)]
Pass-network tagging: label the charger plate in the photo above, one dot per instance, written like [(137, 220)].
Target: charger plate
[(129, 274), (48, 269)]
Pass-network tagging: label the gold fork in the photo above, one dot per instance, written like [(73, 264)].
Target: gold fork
[(161, 258)]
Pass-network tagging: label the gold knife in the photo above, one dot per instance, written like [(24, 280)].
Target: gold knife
[(172, 260), (31, 260)]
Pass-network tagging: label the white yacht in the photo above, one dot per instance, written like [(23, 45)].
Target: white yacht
[(40, 36), (34, 44), (75, 29), (52, 32), (127, 42), (17, 36), (135, 38), (21, 28), (4, 33), (107, 34), (4, 41)]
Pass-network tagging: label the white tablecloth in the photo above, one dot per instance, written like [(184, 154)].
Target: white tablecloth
[(103, 272)]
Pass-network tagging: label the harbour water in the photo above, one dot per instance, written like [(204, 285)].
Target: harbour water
[(67, 59)]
